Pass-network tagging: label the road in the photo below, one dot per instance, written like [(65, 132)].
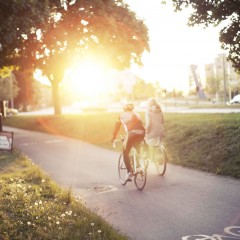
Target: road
[(170, 109), (177, 206)]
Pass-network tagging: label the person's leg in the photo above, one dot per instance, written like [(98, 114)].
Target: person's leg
[(136, 143), (150, 152), (126, 150)]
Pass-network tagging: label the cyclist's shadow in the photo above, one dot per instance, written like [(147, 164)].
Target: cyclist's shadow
[(156, 181)]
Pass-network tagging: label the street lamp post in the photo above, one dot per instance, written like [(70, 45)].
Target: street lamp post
[(224, 79)]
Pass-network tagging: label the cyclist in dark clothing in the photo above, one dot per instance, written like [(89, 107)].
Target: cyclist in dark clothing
[(135, 133)]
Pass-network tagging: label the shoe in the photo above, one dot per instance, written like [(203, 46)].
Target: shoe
[(128, 177)]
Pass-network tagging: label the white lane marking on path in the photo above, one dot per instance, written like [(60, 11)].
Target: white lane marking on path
[(53, 141), (28, 143), (46, 142)]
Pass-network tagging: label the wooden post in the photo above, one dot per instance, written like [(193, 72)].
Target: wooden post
[(0, 122)]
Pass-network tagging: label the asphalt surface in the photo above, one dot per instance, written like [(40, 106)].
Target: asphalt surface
[(182, 204)]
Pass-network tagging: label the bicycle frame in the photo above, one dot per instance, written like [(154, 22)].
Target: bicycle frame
[(140, 176), (157, 155)]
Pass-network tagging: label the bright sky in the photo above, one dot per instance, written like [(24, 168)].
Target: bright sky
[(174, 45)]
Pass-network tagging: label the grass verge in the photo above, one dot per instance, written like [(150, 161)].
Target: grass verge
[(32, 206), (208, 142)]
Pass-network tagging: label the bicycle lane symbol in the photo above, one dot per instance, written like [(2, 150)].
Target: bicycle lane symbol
[(232, 233)]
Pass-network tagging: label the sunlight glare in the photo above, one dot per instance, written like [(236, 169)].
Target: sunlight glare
[(38, 75), (87, 79)]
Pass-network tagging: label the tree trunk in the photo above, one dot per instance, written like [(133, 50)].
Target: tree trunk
[(56, 98)]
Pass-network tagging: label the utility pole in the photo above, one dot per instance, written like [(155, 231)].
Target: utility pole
[(224, 79)]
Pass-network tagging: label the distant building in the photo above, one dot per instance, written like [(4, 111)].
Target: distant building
[(221, 70)]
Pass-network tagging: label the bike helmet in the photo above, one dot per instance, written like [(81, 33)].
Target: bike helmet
[(128, 106), (152, 102)]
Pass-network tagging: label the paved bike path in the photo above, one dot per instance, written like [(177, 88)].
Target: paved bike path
[(177, 206)]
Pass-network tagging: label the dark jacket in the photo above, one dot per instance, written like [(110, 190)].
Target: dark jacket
[(131, 122)]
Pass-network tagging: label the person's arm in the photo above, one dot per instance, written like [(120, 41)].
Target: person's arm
[(162, 133), (116, 129), (162, 117), (147, 120)]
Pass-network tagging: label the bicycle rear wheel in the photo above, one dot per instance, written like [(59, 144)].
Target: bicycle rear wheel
[(122, 170), (140, 179), (160, 160)]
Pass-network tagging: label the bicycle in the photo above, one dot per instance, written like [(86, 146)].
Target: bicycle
[(157, 155), (139, 176)]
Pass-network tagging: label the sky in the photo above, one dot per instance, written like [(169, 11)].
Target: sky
[(173, 45)]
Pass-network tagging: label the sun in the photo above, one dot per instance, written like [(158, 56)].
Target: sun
[(87, 79)]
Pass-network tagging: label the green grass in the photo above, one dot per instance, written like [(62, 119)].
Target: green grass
[(32, 206), (208, 142)]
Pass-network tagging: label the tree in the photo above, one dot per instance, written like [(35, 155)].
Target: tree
[(25, 96), (213, 84), (214, 12), (143, 90), (106, 28), (8, 85), (18, 21)]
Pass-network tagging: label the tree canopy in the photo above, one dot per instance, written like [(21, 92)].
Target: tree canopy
[(215, 12), (69, 29), (18, 19)]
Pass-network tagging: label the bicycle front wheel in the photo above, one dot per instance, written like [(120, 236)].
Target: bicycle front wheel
[(122, 170), (160, 160)]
